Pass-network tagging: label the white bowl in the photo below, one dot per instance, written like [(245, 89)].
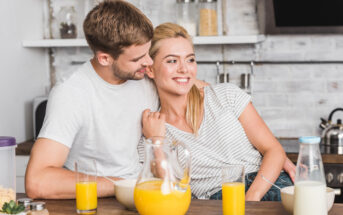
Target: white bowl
[(287, 198), (123, 190)]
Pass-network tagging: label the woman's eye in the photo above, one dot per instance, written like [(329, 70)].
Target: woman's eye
[(191, 60)]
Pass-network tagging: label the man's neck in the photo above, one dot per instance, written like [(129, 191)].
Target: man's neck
[(105, 72)]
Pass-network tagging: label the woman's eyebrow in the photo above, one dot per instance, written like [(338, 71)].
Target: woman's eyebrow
[(173, 55)]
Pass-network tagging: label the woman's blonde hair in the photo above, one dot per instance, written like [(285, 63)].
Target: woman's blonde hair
[(194, 100)]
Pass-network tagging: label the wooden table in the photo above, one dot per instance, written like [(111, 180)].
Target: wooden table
[(109, 206)]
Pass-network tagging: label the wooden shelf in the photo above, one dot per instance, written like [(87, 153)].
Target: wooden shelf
[(213, 40)]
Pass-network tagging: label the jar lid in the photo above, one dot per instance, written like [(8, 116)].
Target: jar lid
[(207, 1), (184, 1), (37, 206), (24, 201), (7, 141), (309, 139)]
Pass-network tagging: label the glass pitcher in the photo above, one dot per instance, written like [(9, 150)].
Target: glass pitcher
[(310, 185), (163, 184)]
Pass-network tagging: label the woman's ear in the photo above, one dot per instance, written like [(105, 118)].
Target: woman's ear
[(150, 72), (103, 58)]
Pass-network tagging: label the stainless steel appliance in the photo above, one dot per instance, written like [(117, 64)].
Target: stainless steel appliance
[(333, 133)]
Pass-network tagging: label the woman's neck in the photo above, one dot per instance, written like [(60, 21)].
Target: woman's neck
[(174, 106)]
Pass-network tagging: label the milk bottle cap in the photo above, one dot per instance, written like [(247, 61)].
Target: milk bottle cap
[(309, 139)]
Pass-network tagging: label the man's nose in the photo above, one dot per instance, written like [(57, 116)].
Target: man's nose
[(147, 61)]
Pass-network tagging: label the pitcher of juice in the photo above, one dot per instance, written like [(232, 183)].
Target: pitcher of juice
[(163, 184)]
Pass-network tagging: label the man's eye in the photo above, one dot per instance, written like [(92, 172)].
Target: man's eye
[(171, 61)]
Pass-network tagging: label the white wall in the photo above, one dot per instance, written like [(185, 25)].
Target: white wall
[(24, 72)]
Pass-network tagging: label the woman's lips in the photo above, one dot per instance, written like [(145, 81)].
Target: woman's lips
[(182, 81)]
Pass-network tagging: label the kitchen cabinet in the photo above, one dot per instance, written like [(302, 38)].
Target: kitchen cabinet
[(21, 164)]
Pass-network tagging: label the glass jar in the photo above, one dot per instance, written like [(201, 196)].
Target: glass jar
[(208, 23), (67, 22), (186, 15), (38, 208), (25, 202), (310, 185), (7, 170)]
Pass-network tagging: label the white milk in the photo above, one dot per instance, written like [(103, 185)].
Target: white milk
[(310, 198)]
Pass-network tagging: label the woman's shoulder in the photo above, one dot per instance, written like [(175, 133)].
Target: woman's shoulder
[(227, 95), (224, 89)]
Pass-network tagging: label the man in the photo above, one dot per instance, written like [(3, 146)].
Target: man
[(96, 113)]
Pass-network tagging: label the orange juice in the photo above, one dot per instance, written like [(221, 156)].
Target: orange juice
[(150, 200), (233, 198), (86, 196)]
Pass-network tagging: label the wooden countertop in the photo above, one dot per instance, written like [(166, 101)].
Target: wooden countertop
[(327, 158), (24, 148), (109, 206)]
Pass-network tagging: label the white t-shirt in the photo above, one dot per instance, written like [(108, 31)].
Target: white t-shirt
[(99, 121)]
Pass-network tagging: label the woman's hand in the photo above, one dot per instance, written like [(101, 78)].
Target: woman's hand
[(289, 167), (153, 124)]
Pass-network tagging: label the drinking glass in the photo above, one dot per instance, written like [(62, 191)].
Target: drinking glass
[(86, 188), (233, 190)]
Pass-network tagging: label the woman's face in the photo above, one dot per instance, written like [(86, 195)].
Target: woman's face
[(174, 69)]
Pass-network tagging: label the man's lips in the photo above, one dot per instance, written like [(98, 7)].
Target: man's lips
[(142, 70)]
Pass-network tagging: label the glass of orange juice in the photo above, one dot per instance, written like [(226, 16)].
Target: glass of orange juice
[(86, 188), (233, 190)]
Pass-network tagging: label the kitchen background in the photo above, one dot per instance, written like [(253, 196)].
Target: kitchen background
[(291, 97)]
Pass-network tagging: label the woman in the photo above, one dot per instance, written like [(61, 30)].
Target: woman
[(218, 123)]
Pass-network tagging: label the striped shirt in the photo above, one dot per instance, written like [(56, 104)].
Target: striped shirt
[(221, 139)]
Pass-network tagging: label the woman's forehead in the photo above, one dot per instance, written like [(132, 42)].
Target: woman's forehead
[(175, 46)]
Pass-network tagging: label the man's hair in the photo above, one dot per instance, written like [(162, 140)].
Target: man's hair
[(113, 25)]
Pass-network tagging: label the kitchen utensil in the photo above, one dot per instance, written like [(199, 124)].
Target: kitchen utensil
[(123, 190), (163, 183), (332, 134), (287, 198)]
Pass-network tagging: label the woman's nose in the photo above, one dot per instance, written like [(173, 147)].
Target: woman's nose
[(183, 67)]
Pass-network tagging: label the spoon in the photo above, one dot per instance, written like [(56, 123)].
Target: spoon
[(264, 178)]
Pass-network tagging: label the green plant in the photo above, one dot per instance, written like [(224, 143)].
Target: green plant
[(12, 208)]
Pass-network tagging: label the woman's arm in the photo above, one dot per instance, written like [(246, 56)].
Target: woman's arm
[(273, 154)]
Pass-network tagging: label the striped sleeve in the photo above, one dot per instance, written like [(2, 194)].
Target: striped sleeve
[(237, 98)]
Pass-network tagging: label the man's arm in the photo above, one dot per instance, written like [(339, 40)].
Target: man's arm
[(46, 178)]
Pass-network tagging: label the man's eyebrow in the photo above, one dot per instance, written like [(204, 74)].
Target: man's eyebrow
[(172, 55), (137, 58)]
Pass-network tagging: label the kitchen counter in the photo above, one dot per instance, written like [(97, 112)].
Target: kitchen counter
[(109, 206), (291, 146), (24, 148)]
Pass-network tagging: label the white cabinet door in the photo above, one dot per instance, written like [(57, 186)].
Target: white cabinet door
[(21, 164)]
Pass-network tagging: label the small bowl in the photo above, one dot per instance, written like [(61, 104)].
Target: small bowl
[(287, 198), (123, 190)]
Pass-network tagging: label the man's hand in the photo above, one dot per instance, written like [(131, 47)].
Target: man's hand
[(290, 168), (153, 124)]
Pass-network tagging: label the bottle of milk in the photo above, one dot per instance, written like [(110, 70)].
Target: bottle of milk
[(310, 185)]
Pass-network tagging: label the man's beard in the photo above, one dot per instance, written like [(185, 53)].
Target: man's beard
[(124, 75)]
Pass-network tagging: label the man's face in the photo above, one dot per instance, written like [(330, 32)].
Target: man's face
[(132, 63)]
